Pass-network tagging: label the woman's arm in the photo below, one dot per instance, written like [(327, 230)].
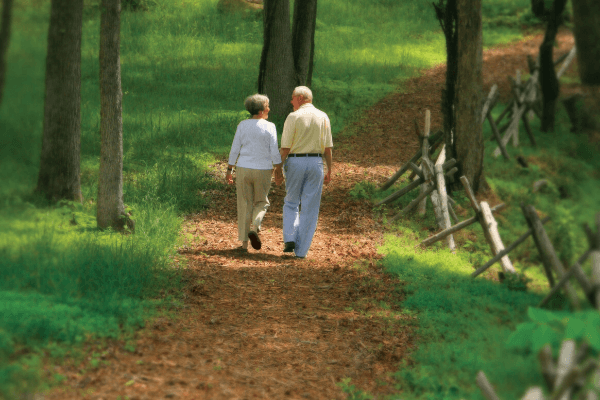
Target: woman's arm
[(229, 175), (236, 146)]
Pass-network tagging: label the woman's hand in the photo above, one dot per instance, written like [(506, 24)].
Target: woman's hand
[(278, 172), (229, 178)]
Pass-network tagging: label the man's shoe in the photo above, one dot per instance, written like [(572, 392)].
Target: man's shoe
[(289, 247), (254, 240)]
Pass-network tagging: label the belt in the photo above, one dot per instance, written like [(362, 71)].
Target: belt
[(305, 155)]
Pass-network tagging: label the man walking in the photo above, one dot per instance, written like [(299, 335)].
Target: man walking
[(305, 141)]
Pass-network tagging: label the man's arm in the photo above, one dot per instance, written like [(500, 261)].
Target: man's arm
[(284, 153), (328, 160)]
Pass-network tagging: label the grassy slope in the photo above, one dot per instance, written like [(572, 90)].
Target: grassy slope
[(465, 323), (181, 107)]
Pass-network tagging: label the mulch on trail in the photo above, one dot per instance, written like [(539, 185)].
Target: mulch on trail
[(265, 325)]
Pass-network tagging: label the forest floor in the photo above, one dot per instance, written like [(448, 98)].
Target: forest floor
[(265, 325)]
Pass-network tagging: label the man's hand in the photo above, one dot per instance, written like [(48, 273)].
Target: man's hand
[(229, 178), (328, 161)]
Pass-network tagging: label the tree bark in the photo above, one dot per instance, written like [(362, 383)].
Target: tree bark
[(468, 136), (586, 15), (303, 39), (548, 79), (59, 164), (538, 8), (5, 23), (447, 16), (110, 182), (277, 76)]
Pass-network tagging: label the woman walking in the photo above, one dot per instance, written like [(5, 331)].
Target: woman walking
[(254, 152)]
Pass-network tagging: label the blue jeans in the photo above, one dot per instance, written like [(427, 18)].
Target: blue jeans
[(304, 185)]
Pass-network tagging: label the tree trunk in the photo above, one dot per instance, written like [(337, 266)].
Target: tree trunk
[(446, 14), (469, 89), (548, 79), (586, 14), (303, 39), (110, 181), (538, 8), (4, 40), (59, 164), (277, 76)]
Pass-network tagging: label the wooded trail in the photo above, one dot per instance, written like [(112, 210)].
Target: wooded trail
[(265, 325)]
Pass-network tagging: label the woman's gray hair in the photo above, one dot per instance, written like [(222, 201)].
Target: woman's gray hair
[(303, 91), (255, 103)]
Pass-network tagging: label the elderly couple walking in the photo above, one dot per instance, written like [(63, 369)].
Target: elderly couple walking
[(305, 142)]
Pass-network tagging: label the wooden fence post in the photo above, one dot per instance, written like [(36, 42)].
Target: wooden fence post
[(570, 272), (566, 358), (486, 387), (490, 101), (426, 166), (489, 225), (595, 257), (507, 250), (568, 60), (546, 249), (413, 204), (518, 111), (517, 86), (435, 139), (490, 230), (455, 228), (443, 201)]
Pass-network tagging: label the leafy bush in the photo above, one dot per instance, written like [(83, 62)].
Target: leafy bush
[(353, 392), (363, 190), (515, 281), (552, 327)]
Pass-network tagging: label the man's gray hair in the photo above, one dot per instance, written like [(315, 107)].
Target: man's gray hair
[(303, 91), (255, 103)]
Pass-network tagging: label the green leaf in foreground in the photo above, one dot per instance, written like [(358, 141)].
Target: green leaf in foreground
[(521, 337), (543, 316)]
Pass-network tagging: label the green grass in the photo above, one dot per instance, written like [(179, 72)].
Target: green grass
[(63, 281), (185, 72), (464, 323)]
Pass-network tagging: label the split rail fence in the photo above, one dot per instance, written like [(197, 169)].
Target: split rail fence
[(566, 375), (525, 104)]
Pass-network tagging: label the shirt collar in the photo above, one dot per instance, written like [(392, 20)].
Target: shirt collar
[(306, 105)]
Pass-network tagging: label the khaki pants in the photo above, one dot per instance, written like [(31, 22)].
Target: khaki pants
[(253, 187)]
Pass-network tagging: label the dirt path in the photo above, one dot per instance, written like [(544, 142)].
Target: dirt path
[(268, 326)]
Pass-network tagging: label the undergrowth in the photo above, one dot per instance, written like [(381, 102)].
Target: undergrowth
[(467, 325)]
